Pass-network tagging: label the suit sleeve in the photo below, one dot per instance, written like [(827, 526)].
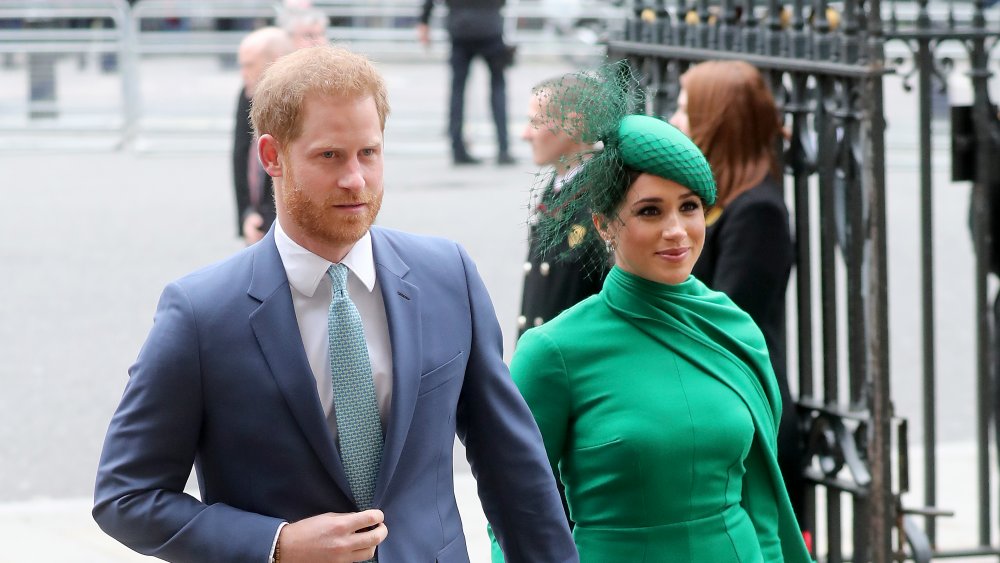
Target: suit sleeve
[(150, 447), (754, 257), (504, 447), (539, 372)]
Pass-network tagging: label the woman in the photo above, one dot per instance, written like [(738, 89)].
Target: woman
[(655, 398), (728, 111)]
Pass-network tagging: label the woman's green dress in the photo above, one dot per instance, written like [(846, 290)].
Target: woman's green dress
[(659, 410)]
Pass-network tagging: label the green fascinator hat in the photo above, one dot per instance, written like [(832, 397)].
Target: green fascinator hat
[(648, 144), (604, 105)]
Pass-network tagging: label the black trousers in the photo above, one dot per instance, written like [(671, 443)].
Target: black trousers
[(463, 51)]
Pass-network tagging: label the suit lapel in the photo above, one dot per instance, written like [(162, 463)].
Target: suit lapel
[(277, 331), (402, 311)]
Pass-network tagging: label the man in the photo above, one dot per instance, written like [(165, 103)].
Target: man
[(557, 274), (476, 30), (253, 189), (268, 385)]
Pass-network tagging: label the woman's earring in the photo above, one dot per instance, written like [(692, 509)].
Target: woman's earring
[(609, 245)]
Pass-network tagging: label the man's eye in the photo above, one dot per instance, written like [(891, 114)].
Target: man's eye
[(327, 154)]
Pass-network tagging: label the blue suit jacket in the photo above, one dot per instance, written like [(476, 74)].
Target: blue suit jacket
[(223, 382)]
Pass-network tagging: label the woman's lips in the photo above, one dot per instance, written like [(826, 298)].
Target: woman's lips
[(674, 254)]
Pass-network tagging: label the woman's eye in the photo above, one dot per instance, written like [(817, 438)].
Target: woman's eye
[(690, 206), (649, 211)]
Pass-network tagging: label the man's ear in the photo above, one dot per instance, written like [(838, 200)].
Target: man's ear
[(270, 155)]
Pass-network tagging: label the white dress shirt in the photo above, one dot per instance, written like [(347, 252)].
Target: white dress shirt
[(537, 194), (311, 290)]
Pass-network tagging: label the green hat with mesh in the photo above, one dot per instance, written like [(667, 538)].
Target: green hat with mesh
[(648, 144)]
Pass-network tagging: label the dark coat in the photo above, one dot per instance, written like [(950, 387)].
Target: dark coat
[(469, 19), (242, 138), (562, 276), (748, 255)]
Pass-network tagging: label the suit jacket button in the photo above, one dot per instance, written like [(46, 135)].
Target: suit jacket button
[(522, 321), (544, 268), (527, 267), (538, 321)]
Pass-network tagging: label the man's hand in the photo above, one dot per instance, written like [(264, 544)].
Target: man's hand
[(424, 34), (338, 538), (251, 228)]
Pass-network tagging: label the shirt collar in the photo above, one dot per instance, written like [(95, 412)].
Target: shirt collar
[(560, 180), (305, 270)]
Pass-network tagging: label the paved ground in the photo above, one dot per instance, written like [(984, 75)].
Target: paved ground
[(91, 236)]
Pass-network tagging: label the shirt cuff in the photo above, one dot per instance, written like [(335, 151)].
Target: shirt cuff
[(274, 544)]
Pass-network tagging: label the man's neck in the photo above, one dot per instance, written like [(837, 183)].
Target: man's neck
[(324, 249)]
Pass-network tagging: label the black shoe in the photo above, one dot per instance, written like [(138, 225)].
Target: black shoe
[(465, 159), (505, 159)]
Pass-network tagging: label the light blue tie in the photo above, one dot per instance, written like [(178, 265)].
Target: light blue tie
[(356, 407)]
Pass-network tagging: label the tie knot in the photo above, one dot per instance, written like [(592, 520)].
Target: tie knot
[(338, 275)]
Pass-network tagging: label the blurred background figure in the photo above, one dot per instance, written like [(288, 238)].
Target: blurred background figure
[(254, 192), (559, 277), (306, 26), (728, 110), (476, 30)]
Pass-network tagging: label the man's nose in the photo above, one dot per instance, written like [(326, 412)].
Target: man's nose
[(351, 177)]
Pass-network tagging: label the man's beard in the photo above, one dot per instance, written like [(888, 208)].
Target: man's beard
[(326, 226)]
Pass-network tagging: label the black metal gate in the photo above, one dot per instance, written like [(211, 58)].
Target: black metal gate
[(827, 64)]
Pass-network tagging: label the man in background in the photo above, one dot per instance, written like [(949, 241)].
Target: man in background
[(557, 274), (476, 30), (253, 188)]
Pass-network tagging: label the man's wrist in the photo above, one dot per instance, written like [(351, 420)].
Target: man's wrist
[(276, 546)]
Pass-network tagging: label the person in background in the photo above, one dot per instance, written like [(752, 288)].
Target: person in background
[(727, 108), (306, 26), (252, 186), (559, 277), (476, 30), (318, 379), (656, 398)]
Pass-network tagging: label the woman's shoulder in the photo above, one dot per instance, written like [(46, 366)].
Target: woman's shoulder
[(767, 194), (573, 319), (569, 327), (721, 310), (760, 211)]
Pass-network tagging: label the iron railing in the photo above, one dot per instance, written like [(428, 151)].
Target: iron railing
[(827, 65), (36, 36)]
